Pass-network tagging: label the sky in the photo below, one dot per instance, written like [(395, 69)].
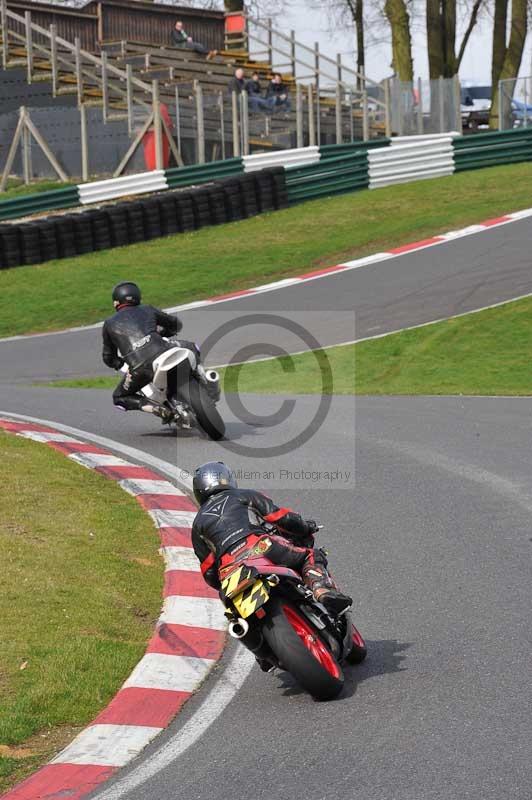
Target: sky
[(312, 25)]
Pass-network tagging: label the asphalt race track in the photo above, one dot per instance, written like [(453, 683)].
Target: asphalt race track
[(451, 278), (431, 535)]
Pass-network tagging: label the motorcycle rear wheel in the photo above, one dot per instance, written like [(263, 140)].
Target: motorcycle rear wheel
[(205, 410), (301, 651)]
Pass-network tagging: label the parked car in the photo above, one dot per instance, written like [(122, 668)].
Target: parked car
[(475, 103)]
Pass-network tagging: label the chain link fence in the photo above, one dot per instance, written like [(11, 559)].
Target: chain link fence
[(421, 107), (515, 103)]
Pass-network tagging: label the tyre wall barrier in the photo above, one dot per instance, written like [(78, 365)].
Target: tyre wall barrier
[(225, 200), (398, 160)]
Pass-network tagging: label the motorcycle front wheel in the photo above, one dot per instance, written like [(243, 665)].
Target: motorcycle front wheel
[(301, 651), (205, 410)]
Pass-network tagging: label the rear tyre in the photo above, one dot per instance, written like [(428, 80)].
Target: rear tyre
[(205, 410), (358, 652), (301, 651)]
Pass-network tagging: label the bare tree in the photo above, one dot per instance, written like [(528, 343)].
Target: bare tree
[(506, 60), (397, 15), (441, 18)]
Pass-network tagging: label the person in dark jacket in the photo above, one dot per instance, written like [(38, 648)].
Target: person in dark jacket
[(180, 38), (238, 82), (229, 516), (134, 336), (278, 95), (256, 101)]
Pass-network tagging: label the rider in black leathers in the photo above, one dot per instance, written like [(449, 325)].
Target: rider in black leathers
[(133, 336), (228, 515)]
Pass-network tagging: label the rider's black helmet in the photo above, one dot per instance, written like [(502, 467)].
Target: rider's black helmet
[(126, 293), (211, 478)]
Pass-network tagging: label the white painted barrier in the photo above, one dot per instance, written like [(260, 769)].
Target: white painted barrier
[(122, 187), (297, 157), (406, 160)]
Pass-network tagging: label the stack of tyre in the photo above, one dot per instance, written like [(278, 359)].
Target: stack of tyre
[(165, 214)]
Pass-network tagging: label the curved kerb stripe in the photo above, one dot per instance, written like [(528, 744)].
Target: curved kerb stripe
[(188, 639)]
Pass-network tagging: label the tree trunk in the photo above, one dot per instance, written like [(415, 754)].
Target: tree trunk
[(441, 38), (499, 40), (397, 15), (449, 31), (434, 39), (511, 64), (359, 25)]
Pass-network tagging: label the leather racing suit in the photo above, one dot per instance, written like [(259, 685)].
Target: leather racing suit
[(134, 336), (228, 518)]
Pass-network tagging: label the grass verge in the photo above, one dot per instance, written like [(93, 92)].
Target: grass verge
[(186, 267), (488, 352), (81, 589)]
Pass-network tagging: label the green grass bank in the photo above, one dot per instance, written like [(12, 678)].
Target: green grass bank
[(187, 267), (81, 590)]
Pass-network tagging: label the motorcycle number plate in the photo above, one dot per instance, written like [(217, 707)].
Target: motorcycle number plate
[(251, 599), (238, 580)]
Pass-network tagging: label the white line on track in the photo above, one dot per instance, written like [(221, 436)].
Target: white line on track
[(364, 261), (223, 691), (386, 333), (223, 687)]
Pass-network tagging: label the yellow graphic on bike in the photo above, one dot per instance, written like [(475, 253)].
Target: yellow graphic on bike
[(251, 599), (246, 591)]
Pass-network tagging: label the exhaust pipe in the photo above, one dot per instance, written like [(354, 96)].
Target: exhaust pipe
[(213, 383), (238, 629)]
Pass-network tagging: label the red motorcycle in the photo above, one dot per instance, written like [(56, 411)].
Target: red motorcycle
[(278, 618)]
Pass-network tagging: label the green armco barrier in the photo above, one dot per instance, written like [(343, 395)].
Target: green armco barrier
[(203, 173), (327, 165), (319, 190), (41, 201), (494, 161), (330, 150), (492, 149), (477, 140), (336, 175)]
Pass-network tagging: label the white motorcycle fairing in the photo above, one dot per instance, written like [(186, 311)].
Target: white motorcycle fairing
[(166, 361)]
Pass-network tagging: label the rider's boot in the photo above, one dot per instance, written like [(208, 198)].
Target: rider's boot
[(317, 578)]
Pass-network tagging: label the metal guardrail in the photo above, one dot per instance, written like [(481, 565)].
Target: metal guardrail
[(334, 175), (334, 169), (17, 207), (492, 149), (284, 158), (203, 173), (404, 162)]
